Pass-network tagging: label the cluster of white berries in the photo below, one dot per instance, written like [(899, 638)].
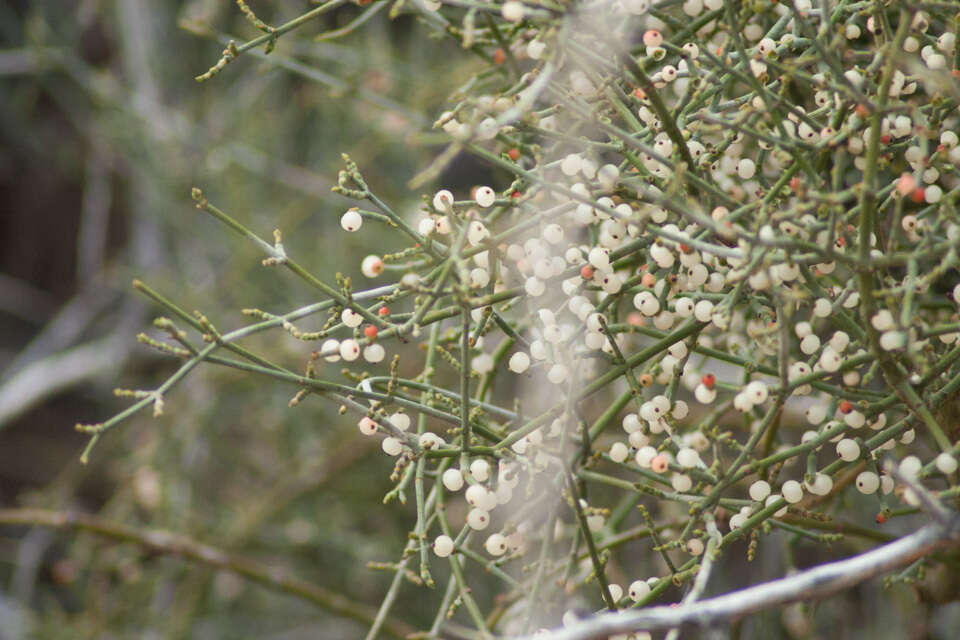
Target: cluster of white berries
[(482, 501), (706, 262)]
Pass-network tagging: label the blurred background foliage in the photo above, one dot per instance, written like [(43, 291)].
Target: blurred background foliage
[(103, 131)]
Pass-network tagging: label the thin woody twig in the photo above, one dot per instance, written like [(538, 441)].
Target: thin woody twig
[(175, 544), (814, 584)]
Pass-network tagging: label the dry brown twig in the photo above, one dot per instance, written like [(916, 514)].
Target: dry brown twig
[(169, 543)]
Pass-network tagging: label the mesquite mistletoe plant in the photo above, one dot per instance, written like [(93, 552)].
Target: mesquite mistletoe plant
[(716, 299)]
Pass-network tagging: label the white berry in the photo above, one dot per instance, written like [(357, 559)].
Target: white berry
[(759, 490), (351, 220), (443, 546), (452, 479)]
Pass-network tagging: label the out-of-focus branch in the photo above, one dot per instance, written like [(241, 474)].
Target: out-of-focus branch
[(813, 584), (57, 372), (174, 544), (24, 301), (94, 215), (63, 328)]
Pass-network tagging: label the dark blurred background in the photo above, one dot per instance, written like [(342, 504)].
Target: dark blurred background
[(103, 132)]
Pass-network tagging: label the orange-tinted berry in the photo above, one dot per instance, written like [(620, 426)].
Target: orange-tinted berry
[(635, 319)]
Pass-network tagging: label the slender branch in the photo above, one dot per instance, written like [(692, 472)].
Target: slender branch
[(703, 574), (233, 51), (813, 584), (178, 545)]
